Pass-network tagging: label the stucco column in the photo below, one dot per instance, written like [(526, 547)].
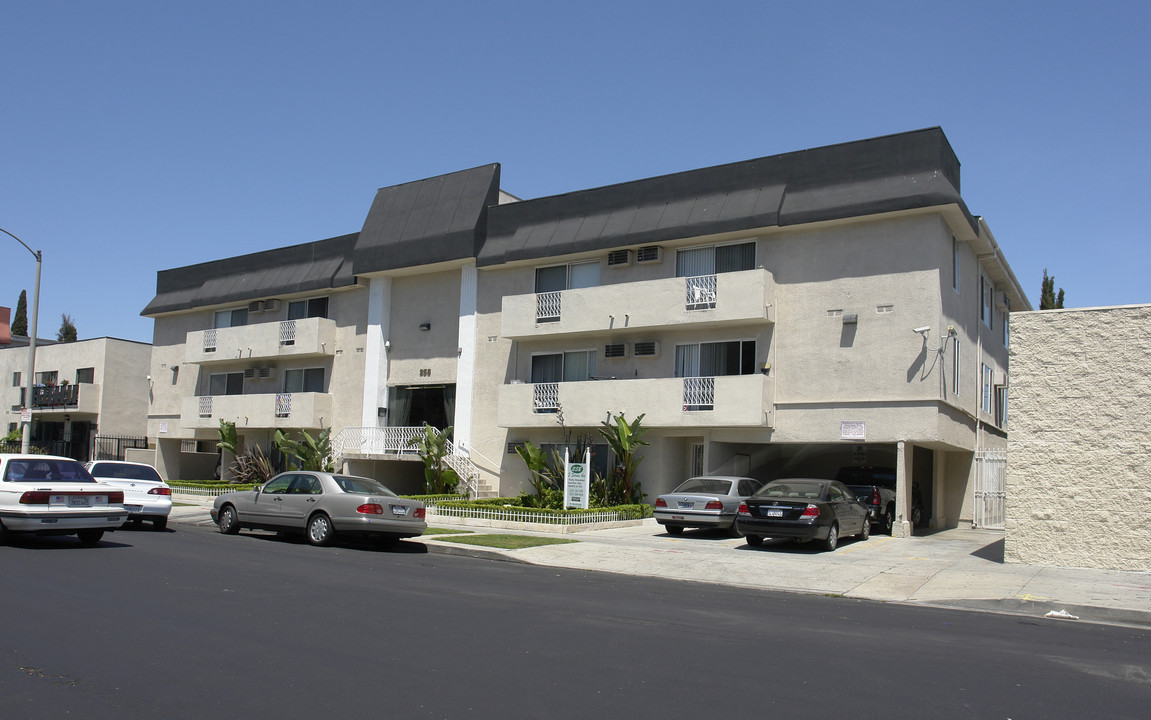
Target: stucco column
[(376, 352), (903, 463), (466, 363)]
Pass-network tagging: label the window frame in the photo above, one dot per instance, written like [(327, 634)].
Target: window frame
[(232, 315), (591, 364), (986, 392), (742, 351), (568, 266), (229, 377), (305, 381), (321, 305), (715, 247)]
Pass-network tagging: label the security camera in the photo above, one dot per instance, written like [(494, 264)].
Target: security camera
[(149, 378), (922, 330)]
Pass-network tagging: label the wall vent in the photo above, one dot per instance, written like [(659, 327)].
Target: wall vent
[(255, 307), (249, 373), (615, 350), (271, 305), (266, 373)]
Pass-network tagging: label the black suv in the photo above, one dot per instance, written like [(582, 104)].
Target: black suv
[(875, 487)]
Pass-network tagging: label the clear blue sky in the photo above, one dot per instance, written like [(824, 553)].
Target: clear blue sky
[(139, 136)]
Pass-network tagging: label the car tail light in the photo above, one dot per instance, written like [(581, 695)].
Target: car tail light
[(713, 505), (34, 498), (811, 511), (659, 502), (743, 509), (418, 514), (370, 509), (116, 496), (875, 497), (160, 491)]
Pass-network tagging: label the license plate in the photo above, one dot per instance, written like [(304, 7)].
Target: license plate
[(399, 510), (686, 506), (133, 508), (79, 501), (774, 512)]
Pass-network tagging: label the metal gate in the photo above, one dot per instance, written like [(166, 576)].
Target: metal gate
[(112, 447), (990, 489)]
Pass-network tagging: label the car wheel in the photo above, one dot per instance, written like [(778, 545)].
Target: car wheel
[(160, 523), (753, 540), (866, 531), (229, 521), (888, 520), (916, 516), (674, 529), (89, 537), (320, 530), (832, 538)]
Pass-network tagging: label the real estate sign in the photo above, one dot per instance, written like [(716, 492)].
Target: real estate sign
[(577, 483)]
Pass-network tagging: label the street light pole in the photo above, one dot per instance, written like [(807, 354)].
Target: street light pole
[(26, 441)]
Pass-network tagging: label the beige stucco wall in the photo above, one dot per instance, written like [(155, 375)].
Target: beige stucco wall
[(1079, 455)]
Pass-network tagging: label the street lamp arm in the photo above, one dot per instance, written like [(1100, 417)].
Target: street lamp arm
[(35, 253), (25, 444)]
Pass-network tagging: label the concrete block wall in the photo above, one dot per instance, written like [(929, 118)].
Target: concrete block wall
[(1079, 440)]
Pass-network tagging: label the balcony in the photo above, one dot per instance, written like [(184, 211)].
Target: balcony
[(738, 298), (264, 410), (81, 398), (307, 337), (727, 401)]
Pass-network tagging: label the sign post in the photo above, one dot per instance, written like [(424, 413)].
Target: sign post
[(577, 484)]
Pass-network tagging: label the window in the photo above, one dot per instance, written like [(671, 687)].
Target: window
[(46, 378), (956, 364), (230, 318), (712, 259), (985, 401), (85, 375), (1001, 406), (313, 307), (15, 379), (1003, 328), (955, 263), (567, 277), (226, 383), (574, 366), (986, 304), (304, 380), (736, 357)]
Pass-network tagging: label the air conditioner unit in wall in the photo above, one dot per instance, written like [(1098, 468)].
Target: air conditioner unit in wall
[(619, 258), (254, 307), (271, 305), (615, 350), (648, 254), (266, 373), (249, 373), (647, 348)]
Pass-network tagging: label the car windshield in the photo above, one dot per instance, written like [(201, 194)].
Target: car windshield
[(363, 486), (705, 485), (126, 471), (41, 469), (796, 489)]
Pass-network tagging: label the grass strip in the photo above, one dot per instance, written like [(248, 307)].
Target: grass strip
[(446, 531), (508, 542)]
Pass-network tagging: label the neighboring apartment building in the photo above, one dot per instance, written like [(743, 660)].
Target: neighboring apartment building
[(89, 399), (1079, 469), (788, 315)]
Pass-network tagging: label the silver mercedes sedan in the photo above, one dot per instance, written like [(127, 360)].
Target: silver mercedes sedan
[(710, 501), (322, 506)]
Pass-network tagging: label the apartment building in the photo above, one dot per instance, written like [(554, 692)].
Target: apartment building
[(788, 315), (89, 398)]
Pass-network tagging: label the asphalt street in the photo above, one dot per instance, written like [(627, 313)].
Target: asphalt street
[(190, 623)]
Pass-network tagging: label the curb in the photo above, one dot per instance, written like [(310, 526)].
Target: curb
[(1092, 614)]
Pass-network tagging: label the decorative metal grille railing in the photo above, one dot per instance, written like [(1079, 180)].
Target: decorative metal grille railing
[(205, 406), (548, 306), (112, 447), (701, 292), (522, 515), (546, 397), (288, 332), (283, 405), (698, 393), (56, 396), (210, 340), (990, 508)]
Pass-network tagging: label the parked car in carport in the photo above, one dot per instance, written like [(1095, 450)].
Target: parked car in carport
[(803, 509), (710, 501), (146, 495), (875, 487)]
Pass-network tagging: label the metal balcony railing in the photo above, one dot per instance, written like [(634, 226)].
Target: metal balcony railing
[(210, 340), (698, 393), (701, 292), (288, 332), (58, 396), (548, 306), (546, 398), (283, 405)]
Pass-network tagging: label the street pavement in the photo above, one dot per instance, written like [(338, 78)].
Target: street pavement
[(958, 568)]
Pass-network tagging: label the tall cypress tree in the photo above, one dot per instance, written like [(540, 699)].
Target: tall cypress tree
[(1048, 298), (20, 321)]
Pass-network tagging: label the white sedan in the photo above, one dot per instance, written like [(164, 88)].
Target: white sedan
[(146, 495), (49, 495)]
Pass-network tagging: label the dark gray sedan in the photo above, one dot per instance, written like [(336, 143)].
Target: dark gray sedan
[(710, 501), (321, 506)]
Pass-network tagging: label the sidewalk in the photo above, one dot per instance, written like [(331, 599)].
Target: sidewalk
[(958, 568)]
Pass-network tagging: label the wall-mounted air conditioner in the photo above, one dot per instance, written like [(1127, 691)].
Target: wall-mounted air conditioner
[(648, 254), (646, 348), (266, 373), (615, 351), (255, 306), (249, 373), (619, 258)]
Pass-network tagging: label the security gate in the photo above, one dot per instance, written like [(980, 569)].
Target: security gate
[(990, 489)]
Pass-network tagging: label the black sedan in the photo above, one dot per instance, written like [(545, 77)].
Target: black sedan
[(803, 509)]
